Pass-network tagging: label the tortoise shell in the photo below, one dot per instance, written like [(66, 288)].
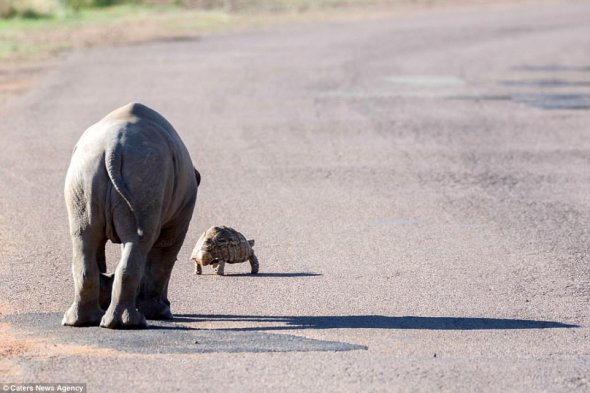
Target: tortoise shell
[(227, 244)]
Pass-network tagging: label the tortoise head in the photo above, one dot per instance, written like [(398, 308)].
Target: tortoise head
[(204, 257)]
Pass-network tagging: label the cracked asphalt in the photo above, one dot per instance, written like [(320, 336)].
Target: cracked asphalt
[(417, 186)]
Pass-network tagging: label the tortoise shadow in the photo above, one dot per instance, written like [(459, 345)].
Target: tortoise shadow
[(372, 322), (272, 275)]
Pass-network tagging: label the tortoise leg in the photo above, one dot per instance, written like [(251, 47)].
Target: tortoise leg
[(254, 263), (219, 267)]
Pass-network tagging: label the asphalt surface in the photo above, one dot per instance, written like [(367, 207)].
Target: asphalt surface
[(417, 187)]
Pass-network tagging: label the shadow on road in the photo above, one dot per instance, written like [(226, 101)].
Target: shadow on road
[(545, 92), (536, 100), (553, 68), (373, 322), (273, 275), (161, 337)]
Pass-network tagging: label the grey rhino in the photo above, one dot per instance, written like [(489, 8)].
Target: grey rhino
[(131, 181)]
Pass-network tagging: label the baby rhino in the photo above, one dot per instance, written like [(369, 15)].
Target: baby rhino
[(221, 245), (131, 180)]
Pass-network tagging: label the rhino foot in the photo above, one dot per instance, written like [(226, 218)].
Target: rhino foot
[(123, 318), (155, 309), (78, 315)]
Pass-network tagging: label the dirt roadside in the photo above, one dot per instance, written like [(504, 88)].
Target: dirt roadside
[(17, 344)]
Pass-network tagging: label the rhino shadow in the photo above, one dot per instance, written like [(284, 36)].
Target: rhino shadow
[(373, 322)]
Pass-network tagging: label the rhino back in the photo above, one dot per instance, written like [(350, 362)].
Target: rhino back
[(155, 166)]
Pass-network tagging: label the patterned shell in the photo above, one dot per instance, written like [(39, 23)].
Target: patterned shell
[(225, 243)]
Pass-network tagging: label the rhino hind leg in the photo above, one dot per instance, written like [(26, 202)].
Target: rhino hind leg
[(85, 310), (122, 312), (153, 296), (106, 288), (105, 279)]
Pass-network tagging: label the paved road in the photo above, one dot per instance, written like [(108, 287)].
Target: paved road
[(417, 187)]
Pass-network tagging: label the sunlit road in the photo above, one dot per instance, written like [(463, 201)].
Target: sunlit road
[(418, 188)]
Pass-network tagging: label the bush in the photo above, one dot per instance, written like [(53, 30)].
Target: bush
[(46, 8), (78, 4), (31, 9)]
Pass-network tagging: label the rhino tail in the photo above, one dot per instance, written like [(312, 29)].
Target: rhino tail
[(113, 163)]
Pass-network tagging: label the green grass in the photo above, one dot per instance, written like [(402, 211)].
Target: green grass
[(81, 16), (19, 23)]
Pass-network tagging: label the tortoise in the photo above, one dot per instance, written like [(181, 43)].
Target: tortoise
[(221, 245)]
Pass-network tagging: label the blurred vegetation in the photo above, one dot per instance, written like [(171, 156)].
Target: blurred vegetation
[(279, 5), (35, 9), (32, 30)]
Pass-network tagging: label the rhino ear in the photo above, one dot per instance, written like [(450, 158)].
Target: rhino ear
[(198, 176)]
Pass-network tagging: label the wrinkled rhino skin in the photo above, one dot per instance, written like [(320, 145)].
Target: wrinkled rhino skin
[(131, 181)]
